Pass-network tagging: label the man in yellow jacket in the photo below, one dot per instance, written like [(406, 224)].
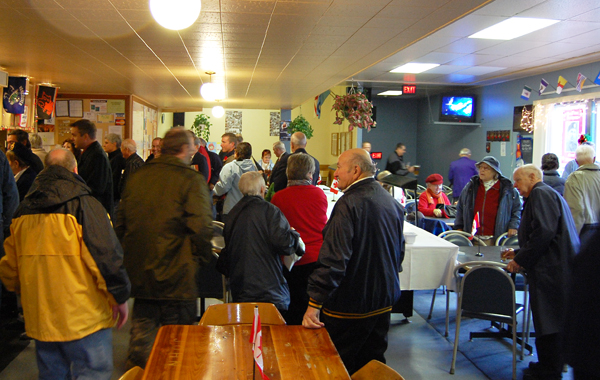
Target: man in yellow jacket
[(65, 260)]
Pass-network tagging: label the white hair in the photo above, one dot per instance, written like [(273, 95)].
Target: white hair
[(585, 154)]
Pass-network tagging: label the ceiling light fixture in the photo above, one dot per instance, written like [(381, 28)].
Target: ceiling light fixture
[(175, 14), (390, 93), (218, 111), (513, 27), (212, 91), (414, 68)]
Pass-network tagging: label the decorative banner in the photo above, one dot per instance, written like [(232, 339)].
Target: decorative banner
[(526, 93), (14, 95), (45, 102), (543, 85), (580, 81), (597, 80), (319, 100), (561, 83)]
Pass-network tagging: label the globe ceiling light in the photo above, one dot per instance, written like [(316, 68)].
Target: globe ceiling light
[(212, 91), (218, 111), (175, 14)]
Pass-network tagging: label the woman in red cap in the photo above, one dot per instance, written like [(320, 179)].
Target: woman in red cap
[(433, 196)]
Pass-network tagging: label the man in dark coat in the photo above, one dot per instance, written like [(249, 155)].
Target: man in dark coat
[(355, 282), (395, 162), (19, 136), (582, 332), (298, 145), (132, 162), (93, 165), (165, 228), (549, 242), (112, 147), (199, 161), (256, 235)]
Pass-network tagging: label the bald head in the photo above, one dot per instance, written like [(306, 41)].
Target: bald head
[(297, 141), (362, 159), (353, 165), (62, 157)]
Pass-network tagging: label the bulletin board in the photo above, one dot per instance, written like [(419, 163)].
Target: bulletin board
[(110, 113), (144, 120)]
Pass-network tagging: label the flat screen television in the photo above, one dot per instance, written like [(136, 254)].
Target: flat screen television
[(458, 108)]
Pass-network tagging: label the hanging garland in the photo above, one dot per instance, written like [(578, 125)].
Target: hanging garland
[(354, 107)]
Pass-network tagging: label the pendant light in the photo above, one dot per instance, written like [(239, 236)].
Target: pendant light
[(175, 14), (218, 111), (211, 91)]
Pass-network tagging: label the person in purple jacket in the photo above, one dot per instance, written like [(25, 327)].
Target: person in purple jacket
[(461, 172)]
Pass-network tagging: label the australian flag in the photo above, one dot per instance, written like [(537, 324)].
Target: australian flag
[(14, 95)]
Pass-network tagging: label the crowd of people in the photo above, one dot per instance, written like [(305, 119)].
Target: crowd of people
[(114, 227)]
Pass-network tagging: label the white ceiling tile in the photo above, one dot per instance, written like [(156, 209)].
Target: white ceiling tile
[(438, 57), (512, 47), (474, 59), (467, 45), (560, 9), (479, 70), (560, 31), (470, 24), (446, 69), (507, 8), (590, 16)]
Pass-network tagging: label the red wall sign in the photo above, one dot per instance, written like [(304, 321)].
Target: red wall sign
[(409, 89)]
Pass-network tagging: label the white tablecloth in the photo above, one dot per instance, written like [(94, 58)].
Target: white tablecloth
[(428, 263)]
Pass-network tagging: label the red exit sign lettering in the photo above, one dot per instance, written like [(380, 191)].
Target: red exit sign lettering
[(409, 89)]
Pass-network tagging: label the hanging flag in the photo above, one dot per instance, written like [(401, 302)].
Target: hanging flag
[(45, 102), (475, 225), (14, 95), (561, 83), (580, 81), (543, 85), (256, 340), (526, 93), (319, 100), (597, 80)]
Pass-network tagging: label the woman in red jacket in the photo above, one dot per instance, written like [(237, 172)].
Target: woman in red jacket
[(305, 208), (433, 196)]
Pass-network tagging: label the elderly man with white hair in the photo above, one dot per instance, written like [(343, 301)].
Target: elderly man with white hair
[(548, 243), (279, 176), (132, 161), (582, 191), (256, 235)]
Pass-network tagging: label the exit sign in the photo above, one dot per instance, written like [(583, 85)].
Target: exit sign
[(409, 89)]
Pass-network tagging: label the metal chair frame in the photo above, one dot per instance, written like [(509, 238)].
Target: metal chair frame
[(494, 269)]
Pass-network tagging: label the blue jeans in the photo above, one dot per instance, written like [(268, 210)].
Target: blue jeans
[(86, 358)]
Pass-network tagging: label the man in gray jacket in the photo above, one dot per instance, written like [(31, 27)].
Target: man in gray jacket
[(230, 176), (582, 191)]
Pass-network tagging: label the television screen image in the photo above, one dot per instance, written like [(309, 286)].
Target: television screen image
[(458, 108)]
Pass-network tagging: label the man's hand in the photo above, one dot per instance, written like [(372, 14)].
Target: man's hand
[(120, 314), (508, 254), (513, 267), (511, 232), (311, 319), (411, 169), (437, 212)]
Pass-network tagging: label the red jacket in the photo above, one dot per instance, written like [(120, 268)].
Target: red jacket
[(427, 206), (305, 208)]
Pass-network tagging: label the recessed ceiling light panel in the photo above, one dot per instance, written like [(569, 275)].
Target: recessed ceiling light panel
[(513, 27), (390, 93), (414, 68)]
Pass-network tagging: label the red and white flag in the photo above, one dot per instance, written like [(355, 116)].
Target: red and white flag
[(475, 225), (334, 186), (256, 340)]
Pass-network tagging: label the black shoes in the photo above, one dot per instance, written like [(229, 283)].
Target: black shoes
[(537, 372)]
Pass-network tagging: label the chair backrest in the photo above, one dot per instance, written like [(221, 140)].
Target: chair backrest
[(241, 313), (487, 288), (136, 373), (218, 242), (376, 370), (460, 240), (410, 206), (469, 237)]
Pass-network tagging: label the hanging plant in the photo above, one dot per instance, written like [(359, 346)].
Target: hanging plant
[(201, 126), (354, 107), (300, 124)]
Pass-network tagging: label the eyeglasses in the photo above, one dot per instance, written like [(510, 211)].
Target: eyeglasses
[(481, 167)]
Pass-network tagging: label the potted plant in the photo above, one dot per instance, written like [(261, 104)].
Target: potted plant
[(201, 126), (354, 107), (300, 124)]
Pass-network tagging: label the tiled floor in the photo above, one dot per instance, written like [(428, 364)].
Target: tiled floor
[(416, 350)]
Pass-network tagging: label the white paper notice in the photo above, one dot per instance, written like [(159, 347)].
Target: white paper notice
[(99, 136), (116, 129), (47, 138), (88, 115), (503, 148)]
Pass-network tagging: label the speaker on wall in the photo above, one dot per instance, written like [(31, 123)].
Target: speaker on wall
[(178, 119)]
